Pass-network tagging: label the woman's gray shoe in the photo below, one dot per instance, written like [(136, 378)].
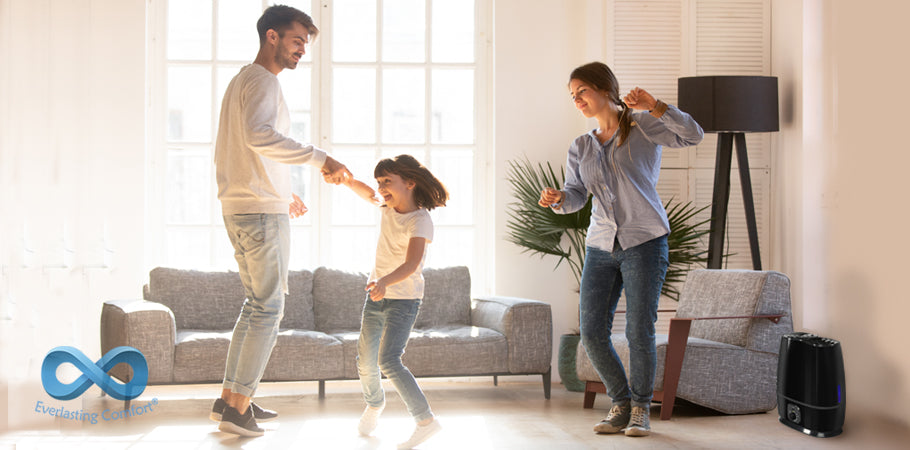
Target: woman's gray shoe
[(615, 421), (640, 422)]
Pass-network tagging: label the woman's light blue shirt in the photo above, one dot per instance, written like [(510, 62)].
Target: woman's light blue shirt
[(623, 179)]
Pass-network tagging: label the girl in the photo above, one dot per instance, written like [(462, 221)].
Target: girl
[(619, 163), (395, 289)]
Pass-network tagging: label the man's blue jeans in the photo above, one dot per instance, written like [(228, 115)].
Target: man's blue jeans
[(639, 270), (384, 332), (262, 248)]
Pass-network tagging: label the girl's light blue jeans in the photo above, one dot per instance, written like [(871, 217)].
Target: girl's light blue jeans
[(639, 270), (262, 248), (384, 332)]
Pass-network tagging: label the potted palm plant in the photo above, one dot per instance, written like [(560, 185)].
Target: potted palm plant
[(542, 232)]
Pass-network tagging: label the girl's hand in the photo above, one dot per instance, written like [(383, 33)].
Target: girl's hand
[(639, 98), (376, 290), (363, 191), (550, 196), (297, 208)]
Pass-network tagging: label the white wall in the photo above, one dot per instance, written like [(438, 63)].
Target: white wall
[(72, 159), (841, 214), (537, 44), (868, 246)]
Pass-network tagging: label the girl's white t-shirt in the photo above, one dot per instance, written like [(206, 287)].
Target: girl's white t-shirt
[(395, 232)]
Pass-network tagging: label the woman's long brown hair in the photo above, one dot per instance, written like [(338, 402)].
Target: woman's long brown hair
[(600, 77)]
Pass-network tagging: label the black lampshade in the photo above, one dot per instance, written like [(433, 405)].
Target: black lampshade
[(731, 103)]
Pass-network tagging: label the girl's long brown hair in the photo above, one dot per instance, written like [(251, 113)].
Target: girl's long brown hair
[(600, 77), (429, 192)]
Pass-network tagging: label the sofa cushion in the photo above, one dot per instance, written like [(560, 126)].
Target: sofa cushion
[(212, 300), (442, 351), (456, 350), (338, 298), (298, 305), (305, 355), (446, 299), (349, 340), (200, 356), (199, 300)]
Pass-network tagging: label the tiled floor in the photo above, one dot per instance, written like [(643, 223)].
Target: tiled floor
[(475, 415)]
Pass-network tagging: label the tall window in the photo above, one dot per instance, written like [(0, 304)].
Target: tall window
[(383, 77)]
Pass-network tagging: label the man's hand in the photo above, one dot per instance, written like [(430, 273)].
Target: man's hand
[(335, 172), (297, 208)]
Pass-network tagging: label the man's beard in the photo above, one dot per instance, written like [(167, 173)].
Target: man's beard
[(286, 60)]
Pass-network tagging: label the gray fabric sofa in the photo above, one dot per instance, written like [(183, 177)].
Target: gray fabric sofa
[(183, 327)]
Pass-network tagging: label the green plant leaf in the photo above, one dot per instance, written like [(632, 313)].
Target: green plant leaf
[(540, 231)]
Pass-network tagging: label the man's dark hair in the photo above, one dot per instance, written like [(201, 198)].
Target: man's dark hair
[(280, 17)]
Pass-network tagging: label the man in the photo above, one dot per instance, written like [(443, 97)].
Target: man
[(252, 158)]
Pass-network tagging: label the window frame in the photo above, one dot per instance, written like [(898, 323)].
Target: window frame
[(158, 146)]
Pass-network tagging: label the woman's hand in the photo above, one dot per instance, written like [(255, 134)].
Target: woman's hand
[(639, 98), (550, 196), (296, 208)]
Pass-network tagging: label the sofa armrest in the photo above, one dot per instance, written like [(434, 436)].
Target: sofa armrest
[(527, 326), (147, 326)]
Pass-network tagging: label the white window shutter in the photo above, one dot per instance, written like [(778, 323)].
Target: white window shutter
[(651, 44), (645, 49)]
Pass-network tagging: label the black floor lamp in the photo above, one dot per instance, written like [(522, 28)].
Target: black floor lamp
[(731, 106)]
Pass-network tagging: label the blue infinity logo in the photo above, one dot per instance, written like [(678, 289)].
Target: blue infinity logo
[(94, 373)]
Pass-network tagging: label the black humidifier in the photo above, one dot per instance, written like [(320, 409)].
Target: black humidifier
[(811, 394)]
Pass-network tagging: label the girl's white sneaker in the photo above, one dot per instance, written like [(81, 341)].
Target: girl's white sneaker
[(421, 434), (369, 419)]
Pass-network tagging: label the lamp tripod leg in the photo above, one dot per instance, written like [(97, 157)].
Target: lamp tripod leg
[(745, 179)]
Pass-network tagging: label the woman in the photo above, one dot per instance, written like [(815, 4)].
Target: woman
[(626, 247)]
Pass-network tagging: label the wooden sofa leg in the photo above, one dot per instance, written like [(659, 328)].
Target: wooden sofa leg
[(495, 380), (546, 383), (321, 389), (592, 388)]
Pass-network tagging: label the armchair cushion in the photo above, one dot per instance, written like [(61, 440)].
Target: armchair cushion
[(713, 293)]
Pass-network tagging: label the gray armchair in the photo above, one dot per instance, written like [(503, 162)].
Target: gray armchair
[(722, 347)]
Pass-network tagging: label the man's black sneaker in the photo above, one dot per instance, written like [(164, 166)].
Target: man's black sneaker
[(261, 414), (240, 424)]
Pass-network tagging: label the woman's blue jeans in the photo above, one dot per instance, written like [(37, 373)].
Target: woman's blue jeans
[(384, 332), (639, 270)]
